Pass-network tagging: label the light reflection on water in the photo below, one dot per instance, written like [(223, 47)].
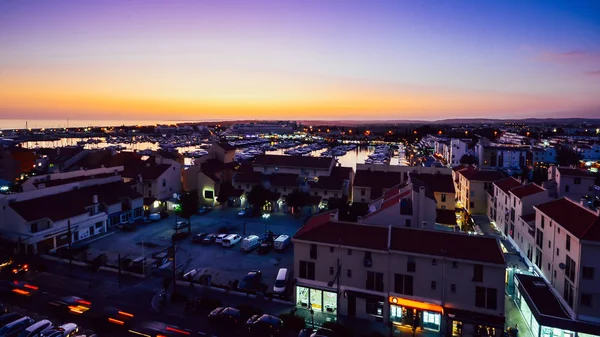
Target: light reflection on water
[(350, 159)]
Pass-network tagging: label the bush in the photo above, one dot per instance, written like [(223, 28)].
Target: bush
[(247, 310), (339, 328), (293, 322)]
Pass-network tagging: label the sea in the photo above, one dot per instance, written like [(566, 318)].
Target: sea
[(64, 123)]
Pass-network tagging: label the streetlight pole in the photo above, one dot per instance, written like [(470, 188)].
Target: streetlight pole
[(70, 252)]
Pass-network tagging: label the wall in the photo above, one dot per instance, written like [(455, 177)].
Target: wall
[(589, 258)]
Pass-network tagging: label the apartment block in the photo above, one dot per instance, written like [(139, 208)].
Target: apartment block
[(403, 276)]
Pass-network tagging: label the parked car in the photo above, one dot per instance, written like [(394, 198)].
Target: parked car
[(36, 329), (231, 240), (281, 242), (199, 237), (250, 242), (20, 268), (281, 281), (181, 225), (264, 325), (15, 327), (226, 315), (10, 317), (220, 238), (164, 214), (210, 238), (251, 281), (264, 248), (324, 332), (246, 212), (154, 217), (204, 209)]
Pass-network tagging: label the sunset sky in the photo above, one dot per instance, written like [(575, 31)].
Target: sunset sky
[(305, 59)]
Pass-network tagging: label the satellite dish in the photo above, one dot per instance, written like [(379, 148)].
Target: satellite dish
[(561, 266)]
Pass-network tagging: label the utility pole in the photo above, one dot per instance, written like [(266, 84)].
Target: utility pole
[(70, 252)]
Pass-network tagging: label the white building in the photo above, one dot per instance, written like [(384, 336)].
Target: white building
[(409, 277)]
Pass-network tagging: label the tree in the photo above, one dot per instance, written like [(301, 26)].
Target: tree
[(296, 200), (467, 159), (188, 204), (567, 157), (225, 192), (258, 197)]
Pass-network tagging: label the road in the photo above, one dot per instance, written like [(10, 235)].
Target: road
[(134, 295)]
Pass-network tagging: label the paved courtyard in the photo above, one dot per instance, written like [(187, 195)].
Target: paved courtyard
[(224, 264)]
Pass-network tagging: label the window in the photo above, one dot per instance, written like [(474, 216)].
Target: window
[(164, 182), (558, 229), (362, 191), (313, 251), (587, 273), (403, 284), (586, 300), (454, 265), (486, 298), (407, 222), (307, 270), (543, 222), (433, 285), (549, 244), (567, 188), (411, 265), (433, 262), (453, 288), (568, 244), (349, 273), (577, 181), (209, 194), (472, 193), (471, 205), (548, 266), (478, 273), (539, 237), (570, 268), (349, 251), (538, 258), (331, 270), (331, 249), (443, 197), (374, 307), (443, 206), (374, 281), (568, 293)]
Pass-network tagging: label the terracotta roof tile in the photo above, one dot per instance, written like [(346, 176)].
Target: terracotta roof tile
[(472, 173), (376, 180), (578, 220), (294, 161), (526, 190), (507, 184)]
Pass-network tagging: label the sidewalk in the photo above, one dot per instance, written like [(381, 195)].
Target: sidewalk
[(514, 317)]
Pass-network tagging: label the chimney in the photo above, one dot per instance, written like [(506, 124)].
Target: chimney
[(95, 198)]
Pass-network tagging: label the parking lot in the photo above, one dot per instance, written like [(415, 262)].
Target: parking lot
[(224, 264)]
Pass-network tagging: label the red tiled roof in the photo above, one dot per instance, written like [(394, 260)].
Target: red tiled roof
[(392, 191), (507, 184), (567, 171), (387, 203), (445, 217), (576, 219), (148, 171), (526, 190), (436, 182), (376, 180), (335, 181), (72, 203), (472, 173), (294, 161), (418, 241), (315, 221), (448, 244)]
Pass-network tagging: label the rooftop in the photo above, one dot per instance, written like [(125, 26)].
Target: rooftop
[(438, 243), (294, 161), (148, 171), (476, 174), (66, 205), (507, 184), (572, 172), (526, 190), (376, 180), (436, 182), (578, 220), (445, 217)]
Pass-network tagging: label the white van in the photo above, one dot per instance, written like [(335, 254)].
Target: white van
[(231, 240), (281, 242), (250, 242), (281, 281), (36, 329)]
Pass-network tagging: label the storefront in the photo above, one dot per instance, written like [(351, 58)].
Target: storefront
[(415, 314), (317, 299), (468, 323)]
